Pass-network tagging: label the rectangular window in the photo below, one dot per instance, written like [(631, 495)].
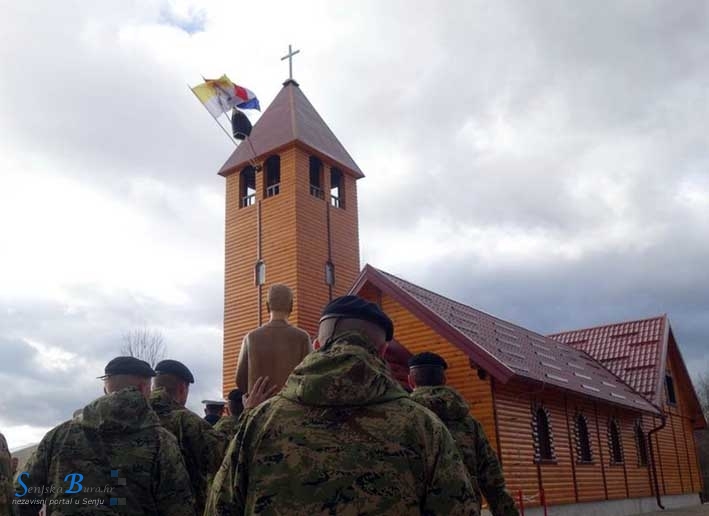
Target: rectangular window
[(337, 197), (670, 387), (316, 179)]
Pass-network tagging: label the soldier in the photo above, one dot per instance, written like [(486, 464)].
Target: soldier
[(213, 411), (227, 424), (427, 378), (275, 348), (342, 437), (6, 490), (201, 446), (113, 459)]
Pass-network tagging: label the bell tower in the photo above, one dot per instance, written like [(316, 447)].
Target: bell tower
[(291, 218)]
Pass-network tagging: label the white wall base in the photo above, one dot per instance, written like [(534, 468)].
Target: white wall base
[(625, 507)]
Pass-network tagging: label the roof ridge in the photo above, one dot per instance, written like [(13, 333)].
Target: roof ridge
[(618, 323)]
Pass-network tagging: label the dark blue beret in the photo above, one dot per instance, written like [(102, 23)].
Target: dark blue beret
[(128, 365), (427, 359), (235, 395), (354, 307), (174, 368)]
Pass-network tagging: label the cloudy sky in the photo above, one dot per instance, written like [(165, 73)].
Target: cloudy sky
[(544, 161)]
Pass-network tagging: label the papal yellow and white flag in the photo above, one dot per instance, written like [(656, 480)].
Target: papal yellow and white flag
[(221, 95)]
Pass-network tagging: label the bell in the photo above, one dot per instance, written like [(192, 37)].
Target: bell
[(240, 125)]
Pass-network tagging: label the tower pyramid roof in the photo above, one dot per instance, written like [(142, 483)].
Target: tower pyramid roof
[(291, 118)]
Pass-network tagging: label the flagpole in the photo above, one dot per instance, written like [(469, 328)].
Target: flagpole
[(214, 117)]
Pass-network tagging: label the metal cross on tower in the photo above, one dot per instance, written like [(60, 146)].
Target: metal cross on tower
[(289, 56)]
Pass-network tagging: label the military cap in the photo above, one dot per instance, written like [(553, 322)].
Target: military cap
[(354, 307), (127, 365), (174, 368), (235, 395), (214, 403), (427, 359)]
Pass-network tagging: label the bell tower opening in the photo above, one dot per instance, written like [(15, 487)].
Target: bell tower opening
[(247, 187), (316, 178), (273, 175)]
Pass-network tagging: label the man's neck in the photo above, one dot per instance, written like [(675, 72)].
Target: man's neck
[(279, 316)]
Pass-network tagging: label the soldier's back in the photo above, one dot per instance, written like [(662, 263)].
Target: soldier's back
[(202, 447), (114, 458), (341, 438)]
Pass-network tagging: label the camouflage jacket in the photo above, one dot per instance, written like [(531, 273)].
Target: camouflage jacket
[(201, 446), (118, 458), (6, 490), (479, 457), (342, 437), (227, 425)]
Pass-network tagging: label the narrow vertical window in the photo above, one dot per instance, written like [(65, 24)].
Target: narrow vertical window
[(316, 178), (614, 441), (337, 197), (542, 435), (641, 443), (670, 387), (247, 187), (583, 441), (273, 176), (260, 273)]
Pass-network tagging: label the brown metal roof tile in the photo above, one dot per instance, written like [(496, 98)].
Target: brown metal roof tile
[(630, 349)]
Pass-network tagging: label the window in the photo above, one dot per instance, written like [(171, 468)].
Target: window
[(542, 435), (273, 176), (670, 388), (583, 440), (316, 179), (614, 442), (641, 443), (337, 180), (260, 273), (247, 187)]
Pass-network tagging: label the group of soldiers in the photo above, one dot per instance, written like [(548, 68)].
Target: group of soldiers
[(325, 429)]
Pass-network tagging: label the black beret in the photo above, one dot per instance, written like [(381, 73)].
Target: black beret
[(235, 395), (354, 307), (174, 368), (427, 359), (128, 365)]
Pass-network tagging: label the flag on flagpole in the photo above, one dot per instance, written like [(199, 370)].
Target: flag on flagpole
[(221, 95)]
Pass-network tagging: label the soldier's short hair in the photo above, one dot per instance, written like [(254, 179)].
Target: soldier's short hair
[(170, 382), (280, 298)]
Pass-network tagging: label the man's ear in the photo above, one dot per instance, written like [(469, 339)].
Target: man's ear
[(316, 344)]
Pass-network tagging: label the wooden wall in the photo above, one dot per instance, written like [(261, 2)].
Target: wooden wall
[(294, 247), (678, 467), (417, 337)]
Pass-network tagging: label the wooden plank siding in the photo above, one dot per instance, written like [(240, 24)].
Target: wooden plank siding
[(416, 337), (294, 248)]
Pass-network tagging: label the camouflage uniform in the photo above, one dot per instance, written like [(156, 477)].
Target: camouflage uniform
[(228, 426), (201, 446), (342, 437), (124, 455), (479, 457), (6, 490)]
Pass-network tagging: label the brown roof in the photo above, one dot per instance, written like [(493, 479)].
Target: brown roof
[(636, 351), (631, 350), (291, 118), (506, 350)]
